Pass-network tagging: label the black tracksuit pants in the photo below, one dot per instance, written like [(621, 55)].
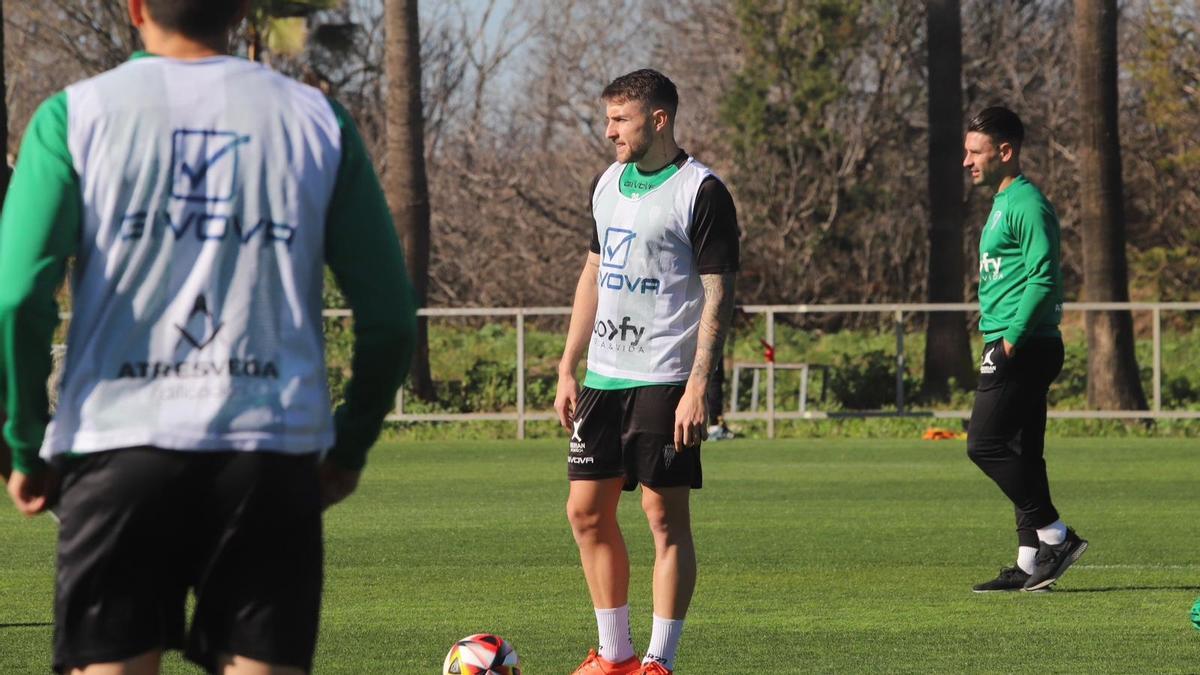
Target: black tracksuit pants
[(1006, 436)]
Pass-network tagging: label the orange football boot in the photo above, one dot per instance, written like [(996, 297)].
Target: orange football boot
[(595, 664), (654, 668)]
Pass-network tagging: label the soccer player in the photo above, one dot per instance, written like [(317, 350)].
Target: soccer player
[(1020, 297), (201, 196), (652, 308)]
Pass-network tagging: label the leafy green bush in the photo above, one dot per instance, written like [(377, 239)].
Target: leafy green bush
[(867, 380)]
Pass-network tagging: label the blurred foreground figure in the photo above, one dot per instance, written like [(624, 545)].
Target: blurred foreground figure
[(193, 447)]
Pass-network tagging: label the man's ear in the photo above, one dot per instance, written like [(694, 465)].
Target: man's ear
[(137, 13), (661, 119), (1005, 151)]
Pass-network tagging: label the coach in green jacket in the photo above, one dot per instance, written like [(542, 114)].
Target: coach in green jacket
[(1020, 298)]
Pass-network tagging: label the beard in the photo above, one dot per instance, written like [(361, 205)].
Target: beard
[(636, 149), (636, 152)]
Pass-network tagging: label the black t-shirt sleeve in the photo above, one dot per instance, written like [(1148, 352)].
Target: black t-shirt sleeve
[(595, 248), (714, 229)]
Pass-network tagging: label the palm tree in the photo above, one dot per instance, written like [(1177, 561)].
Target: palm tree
[(947, 347), (5, 453), (404, 181), (1113, 379), (4, 170)]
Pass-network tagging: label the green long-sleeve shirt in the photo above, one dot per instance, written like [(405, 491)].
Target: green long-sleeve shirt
[(1020, 278)]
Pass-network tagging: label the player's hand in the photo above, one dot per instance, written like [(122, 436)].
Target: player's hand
[(336, 483), (33, 494), (566, 398), (1009, 347), (691, 416)]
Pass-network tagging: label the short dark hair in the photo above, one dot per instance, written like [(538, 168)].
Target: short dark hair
[(1000, 123), (647, 85), (195, 18)]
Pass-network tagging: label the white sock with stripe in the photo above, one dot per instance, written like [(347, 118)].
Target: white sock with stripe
[(664, 641), (616, 640)]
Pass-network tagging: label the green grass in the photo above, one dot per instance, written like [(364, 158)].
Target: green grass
[(816, 556)]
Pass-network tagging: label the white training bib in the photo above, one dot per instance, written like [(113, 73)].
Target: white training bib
[(197, 290), (651, 299)]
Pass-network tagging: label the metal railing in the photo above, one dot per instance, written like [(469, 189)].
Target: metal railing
[(521, 415), (899, 312), (805, 370)]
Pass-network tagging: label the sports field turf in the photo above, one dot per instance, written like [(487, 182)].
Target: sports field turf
[(816, 557)]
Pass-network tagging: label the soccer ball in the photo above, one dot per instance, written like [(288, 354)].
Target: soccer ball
[(482, 654)]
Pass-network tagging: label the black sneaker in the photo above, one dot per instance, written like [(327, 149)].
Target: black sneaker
[(1052, 561), (1009, 579)]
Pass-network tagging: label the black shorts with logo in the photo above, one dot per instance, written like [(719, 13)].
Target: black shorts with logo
[(630, 433), (142, 526)]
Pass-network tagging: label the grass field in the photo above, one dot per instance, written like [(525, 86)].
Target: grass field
[(822, 556)]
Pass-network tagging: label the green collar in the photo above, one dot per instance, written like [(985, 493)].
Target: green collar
[(635, 183)]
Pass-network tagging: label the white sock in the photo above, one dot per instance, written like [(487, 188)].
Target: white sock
[(664, 641), (616, 642), (1025, 556), (1053, 534)]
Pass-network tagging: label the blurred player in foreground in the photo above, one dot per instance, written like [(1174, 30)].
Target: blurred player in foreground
[(192, 447)]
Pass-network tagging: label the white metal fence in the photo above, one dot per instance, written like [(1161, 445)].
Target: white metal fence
[(771, 414), (899, 312)]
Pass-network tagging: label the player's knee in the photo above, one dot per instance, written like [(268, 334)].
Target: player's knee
[(585, 520), (980, 449), (667, 527)]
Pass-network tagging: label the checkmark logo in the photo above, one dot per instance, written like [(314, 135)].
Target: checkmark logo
[(204, 164), (617, 243)]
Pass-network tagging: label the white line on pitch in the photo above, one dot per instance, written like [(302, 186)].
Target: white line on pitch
[(1137, 567)]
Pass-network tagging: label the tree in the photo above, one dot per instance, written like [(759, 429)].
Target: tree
[(947, 347), (280, 26), (822, 156), (4, 170), (404, 180), (1161, 51), (1113, 379), (5, 453)]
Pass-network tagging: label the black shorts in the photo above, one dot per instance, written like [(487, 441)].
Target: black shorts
[(141, 527), (630, 433)]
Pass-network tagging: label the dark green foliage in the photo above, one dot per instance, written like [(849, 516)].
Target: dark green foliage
[(867, 380), (778, 100)]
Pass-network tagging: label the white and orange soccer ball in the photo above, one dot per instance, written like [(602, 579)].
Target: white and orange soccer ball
[(482, 654)]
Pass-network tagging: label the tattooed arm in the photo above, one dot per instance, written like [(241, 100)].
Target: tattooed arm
[(691, 416)]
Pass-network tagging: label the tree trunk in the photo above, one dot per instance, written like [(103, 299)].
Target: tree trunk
[(404, 180), (1113, 379), (5, 453), (5, 172), (947, 347)]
